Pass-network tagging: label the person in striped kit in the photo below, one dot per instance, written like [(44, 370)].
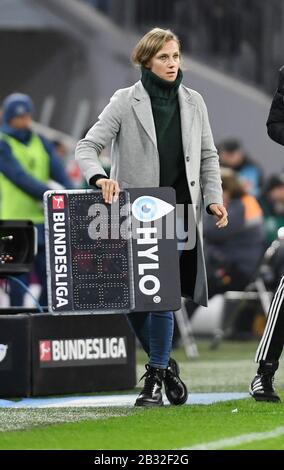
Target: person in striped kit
[(272, 341)]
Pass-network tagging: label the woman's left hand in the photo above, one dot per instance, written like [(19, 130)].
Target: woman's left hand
[(221, 213)]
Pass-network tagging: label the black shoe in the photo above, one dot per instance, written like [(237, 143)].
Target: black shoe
[(262, 388), (151, 395), (175, 389)]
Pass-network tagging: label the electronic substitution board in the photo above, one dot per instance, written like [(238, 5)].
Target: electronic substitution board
[(111, 258)]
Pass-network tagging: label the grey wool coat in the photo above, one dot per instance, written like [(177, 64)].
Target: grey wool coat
[(127, 122)]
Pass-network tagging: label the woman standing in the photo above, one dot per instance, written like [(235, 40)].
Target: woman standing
[(160, 136)]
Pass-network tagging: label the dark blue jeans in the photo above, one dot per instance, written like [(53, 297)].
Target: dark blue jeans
[(155, 333)]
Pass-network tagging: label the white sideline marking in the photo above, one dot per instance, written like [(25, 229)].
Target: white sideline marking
[(114, 400), (237, 440)]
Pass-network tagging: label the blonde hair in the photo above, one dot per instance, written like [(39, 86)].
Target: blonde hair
[(150, 44)]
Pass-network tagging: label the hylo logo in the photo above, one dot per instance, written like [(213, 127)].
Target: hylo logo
[(149, 209), (58, 202)]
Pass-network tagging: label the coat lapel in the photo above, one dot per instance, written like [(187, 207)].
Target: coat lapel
[(187, 113), (143, 110)]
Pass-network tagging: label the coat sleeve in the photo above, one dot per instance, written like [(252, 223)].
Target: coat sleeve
[(209, 170), (275, 121), (101, 134)]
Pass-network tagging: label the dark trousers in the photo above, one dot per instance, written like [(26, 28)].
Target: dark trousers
[(155, 333), (272, 341)]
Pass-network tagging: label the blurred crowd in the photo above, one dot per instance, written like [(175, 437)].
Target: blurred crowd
[(256, 213), (233, 35), (242, 37)]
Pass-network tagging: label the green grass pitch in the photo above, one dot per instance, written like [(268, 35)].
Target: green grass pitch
[(240, 424)]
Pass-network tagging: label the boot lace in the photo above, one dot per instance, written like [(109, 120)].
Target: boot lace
[(150, 378), (172, 376)]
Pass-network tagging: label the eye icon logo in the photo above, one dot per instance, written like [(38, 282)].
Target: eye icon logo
[(149, 208)]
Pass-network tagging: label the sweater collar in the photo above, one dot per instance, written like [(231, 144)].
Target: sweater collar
[(158, 87)]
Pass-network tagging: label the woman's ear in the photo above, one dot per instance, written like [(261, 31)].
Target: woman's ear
[(147, 65)]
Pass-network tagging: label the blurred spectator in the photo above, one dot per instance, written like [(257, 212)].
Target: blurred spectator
[(232, 155), (272, 203), (234, 35), (223, 21), (232, 255), (29, 166), (71, 167), (61, 149)]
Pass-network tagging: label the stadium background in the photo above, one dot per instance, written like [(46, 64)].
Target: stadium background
[(232, 53)]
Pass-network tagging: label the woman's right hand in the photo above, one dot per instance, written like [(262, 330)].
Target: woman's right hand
[(110, 189)]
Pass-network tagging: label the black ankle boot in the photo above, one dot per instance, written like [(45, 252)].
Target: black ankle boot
[(151, 395), (262, 388), (175, 389)]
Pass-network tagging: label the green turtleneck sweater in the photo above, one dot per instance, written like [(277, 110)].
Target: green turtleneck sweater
[(166, 113)]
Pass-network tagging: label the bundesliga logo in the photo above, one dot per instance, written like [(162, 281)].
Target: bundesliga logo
[(60, 256), (82, 350), (58, 202), (45, 351)]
